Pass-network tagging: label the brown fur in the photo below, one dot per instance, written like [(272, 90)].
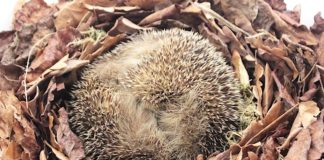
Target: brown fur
[(162, 95)]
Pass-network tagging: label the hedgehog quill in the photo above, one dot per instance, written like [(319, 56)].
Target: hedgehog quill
[(162, 95)]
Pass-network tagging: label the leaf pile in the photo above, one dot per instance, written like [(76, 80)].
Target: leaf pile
[(279, 61)]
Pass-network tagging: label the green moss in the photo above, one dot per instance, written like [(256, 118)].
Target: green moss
[(90, 36), (247, 112)]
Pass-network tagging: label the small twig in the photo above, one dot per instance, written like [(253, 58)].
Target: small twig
[(308, 74), (274, 123), (221, 19)]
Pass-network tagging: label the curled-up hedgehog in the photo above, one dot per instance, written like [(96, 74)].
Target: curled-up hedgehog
[(162, 95)]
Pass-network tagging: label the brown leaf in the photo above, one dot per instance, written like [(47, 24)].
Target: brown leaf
[(299, 149), (257, 89), (11, 151), (283, 93), (32, 12), (299, 34), (292, 17), (70, 143), (241, 14), (320, 51), (15, 130), (216, 40), (318, 26), (306, 115), (123, 25), (5, 39), (64, 65), (269, 43), (317, 134), (257, 129), (268, 90), (71, 14), (147, 4), (93, 50), (269, 151), (279, 5), (57, 153), (42, 155), (252, 156), (240, 70), (53, 52), (160, 14)]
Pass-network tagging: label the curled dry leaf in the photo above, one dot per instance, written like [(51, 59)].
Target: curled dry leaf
[(257, 89), (240, 70), (71, 144), (53, 52), (165, 13), (269, 43), (123, 25), (241, 14), (57, 153), (93, 49), (17, 136), (73, 12), (268, 90), (64, 65), (299, 149), (318, 26), (214, 39)]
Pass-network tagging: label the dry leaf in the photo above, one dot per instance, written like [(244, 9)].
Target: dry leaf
[(57, 153), (64, 65), (269, 151), (317, 134), (268, 90), (257, 89), (306, 115), (320, 51), (240, 70), (241, 14), (53, 52), (32, 12), (279, 5), (160, 14), (318, 26), (17, 136), (257, 129), (147, 4), (123, 25), (70, 143), (299, 149)]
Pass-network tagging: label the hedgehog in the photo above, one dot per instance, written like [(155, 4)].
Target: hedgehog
[(165, 94)]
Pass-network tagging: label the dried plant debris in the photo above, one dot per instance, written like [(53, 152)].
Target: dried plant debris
[(278, 61)]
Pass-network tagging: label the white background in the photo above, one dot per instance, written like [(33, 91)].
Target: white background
[(308, 9)]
